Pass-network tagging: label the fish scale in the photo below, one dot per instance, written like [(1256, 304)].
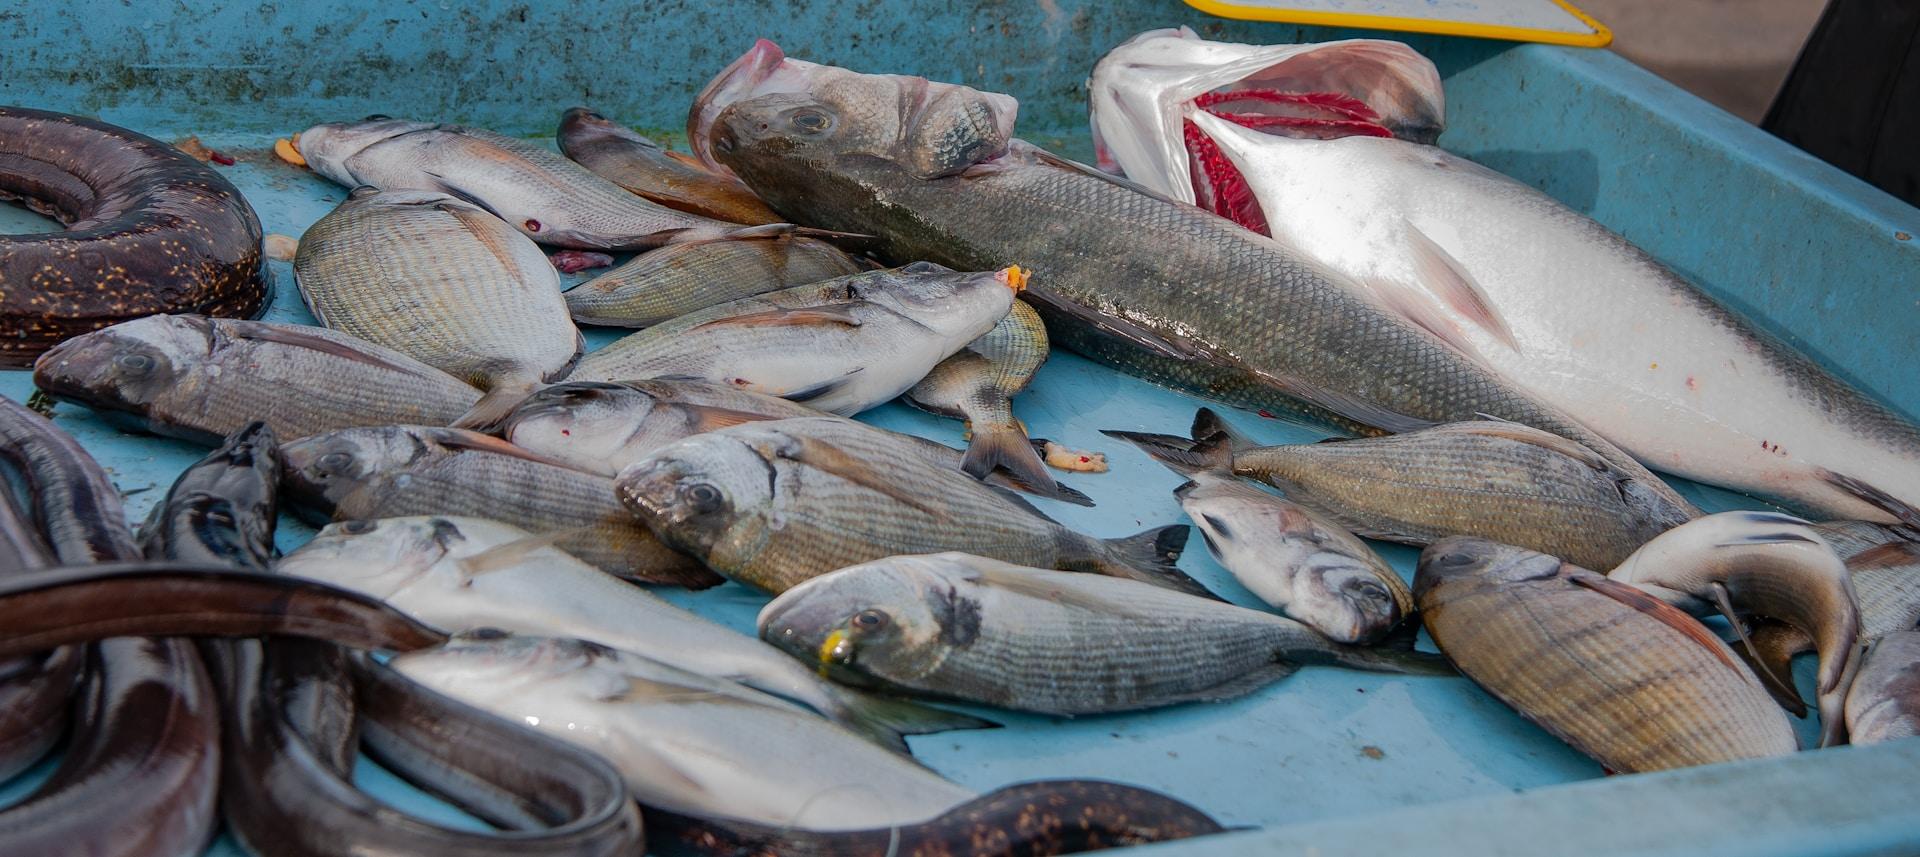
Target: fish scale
[(677, 279)]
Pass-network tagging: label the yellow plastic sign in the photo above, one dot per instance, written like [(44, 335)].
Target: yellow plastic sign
[(1553, 22)]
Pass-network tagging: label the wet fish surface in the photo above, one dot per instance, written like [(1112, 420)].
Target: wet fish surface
[(224, 509), (964, 627), (978, 383), (1623, 677), (623, 156), (841, 346), (660, 285), (393, 471), (1883, 702), (771, 504), (443, 281)]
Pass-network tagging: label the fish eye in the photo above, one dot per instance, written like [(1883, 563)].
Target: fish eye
[(357, 528), (595, 116), (376, 117), (1371, 591), (869, 620), (1454, 560), (335, 460), (135, 362), (809, 120), (704, 498)]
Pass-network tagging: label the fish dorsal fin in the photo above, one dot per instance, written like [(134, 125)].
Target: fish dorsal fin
[(1667, 614), (1509, 430), (460, 440), (711, 417), (1889, 555), (1414, 307), (827, 458), (298, 336), (509, 554), (1448, 282), (825, 314)]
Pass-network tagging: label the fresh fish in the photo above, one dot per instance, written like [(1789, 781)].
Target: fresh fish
[(1618, 674), (400, 470), (224, 508), (1884, 562), (36, 690), (958, 626), (1158, 287), (203, 379), (841, 346), (1292, 558), (1767, 564), (445, 282), (771, 504), (664, 284), (1550, 300), (1497, 480), (621, 155), (602, 427), (1884, 701), (978, 383), (459, 574), (546, 197), (688, 743)]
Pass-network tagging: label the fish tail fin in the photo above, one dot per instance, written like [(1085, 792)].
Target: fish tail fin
[(494, 407), (1180, 455), (1208, 424), (888, 721), (1865, 492), (1150, 557), (1004, 443)]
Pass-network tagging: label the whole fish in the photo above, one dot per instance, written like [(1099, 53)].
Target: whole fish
[(546, 197), (688, 743), (1760, 563), (621, 155), (1618, 674), (602, 427), (445, 282), (1497, 480), (1157, 287), (224, 508), (203, 379), (677, 279), (958, 626), (1884, 701), (978, 383), (1884, 562), (771, 504), (1292, 558), (401, 470), (1546, 297), (841, 346), (458, 574)]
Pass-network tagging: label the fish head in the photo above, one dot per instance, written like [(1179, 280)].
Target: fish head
[(694, 493), (489, 663), (959, 306), (329, 147), (1350, 599), (323, 469), (227, 505), (768, 113), (128, 366), (894, 619), (377, 557), (587, 420), (1468, 563)]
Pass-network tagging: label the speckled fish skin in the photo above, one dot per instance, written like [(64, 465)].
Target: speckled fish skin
[(686, 742), (1204, 304), (546, 197), (978, 383), (444, 282), (958, 626), (621, 155), (390, 471), (1500, 481), (202, 379), (1767, 564), (677, 279), (1884, 701), (771, 504), (1612, 680), (458, 574), (841, 346)]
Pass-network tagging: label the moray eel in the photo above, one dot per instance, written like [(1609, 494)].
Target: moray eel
[(148, 230)]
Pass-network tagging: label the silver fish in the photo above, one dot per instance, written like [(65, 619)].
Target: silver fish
[(1884, 701), (663, 284), (978, 383)]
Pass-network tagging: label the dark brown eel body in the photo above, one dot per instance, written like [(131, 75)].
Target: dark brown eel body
[(149, 230), (35, 689), (1025, 820)]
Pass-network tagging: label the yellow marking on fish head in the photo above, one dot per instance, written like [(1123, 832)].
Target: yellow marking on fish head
[(289, 151), (1013, 277), (830, 648)]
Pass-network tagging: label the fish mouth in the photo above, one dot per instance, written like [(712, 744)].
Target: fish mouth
[(744, 78)]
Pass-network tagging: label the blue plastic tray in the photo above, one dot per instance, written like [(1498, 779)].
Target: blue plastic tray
[(1328, 758)]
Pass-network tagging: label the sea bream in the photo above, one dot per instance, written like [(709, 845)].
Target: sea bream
[(1547, 298)]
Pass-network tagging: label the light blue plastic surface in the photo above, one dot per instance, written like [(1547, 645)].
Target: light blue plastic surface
[(1804, 249)]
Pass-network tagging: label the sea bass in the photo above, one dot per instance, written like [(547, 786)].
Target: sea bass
[(546, 197), (978, 383), (965, 627), (1160, 288), (621, 155), (1544, 296), (458, 574), (445, 282), (771, 504), (202, 379), (841, 346), (664, 284)]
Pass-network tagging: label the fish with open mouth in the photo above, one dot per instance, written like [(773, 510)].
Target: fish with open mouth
[(444, 282), (539, 193), (664, 284), (1544, 296), (621, 155), (771, 504), (978, 383), (391, 471), (841, 346), (957, 626)]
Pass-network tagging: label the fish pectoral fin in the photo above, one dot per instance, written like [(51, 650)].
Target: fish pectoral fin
[(825, 314), (299, 336), (711, 418), (1773, 645), (1775, 685), (1093, 598), (508, 554), (1866, 493), (1669, 615), (1449, 282), (808, 394), (462, 439), (1414, 307), (441, 184), (1522, 433), (826, 457), (1889, 555)]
